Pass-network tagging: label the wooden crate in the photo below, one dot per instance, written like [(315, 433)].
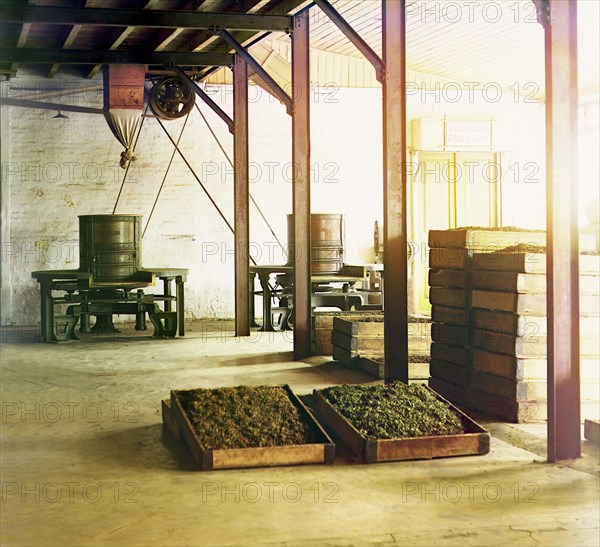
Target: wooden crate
[(324, 320), (591, 430), (506, 366), (352, 338), (453, 354), (521, 304), (451, 316), (322, 327), (349, 357), (487, 383), (528, 262), (509, 323), (322, 348), (521, 346), (527, 346), (588, 390), (490, 240), (169, 422), (452, 298), (321, 335), (453, 335), (352, 327), (457, 279), (373, 327), (177, 421), (527, 369), (321, 342), (474, 442), (357, 343), (530, 326), (532, 283), (374, 345), (375, 367), (488, 404), (450, 259)]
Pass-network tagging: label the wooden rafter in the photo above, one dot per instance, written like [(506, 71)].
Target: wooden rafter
[(107, 17), (25, 28), (166, 36), (68, 43), (151, 4), (96, 56), (201, 41)]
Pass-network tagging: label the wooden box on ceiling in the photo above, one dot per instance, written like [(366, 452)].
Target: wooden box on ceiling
[(124, 86)]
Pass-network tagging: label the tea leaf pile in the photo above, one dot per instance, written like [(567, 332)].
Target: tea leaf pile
[(394, 411), (244, 417)]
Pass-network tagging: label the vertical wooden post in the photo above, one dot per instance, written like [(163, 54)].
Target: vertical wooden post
[(301, 184), (6, 297), (394, 191), (241, 193), (559, 18)]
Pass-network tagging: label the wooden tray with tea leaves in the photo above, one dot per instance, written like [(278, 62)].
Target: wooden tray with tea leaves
[(244, 426), (397, 421)]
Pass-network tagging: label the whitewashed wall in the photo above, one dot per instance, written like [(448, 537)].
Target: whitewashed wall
[(54, 170)]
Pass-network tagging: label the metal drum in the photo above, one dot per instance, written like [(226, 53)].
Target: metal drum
[(110, 246), (326, 243)]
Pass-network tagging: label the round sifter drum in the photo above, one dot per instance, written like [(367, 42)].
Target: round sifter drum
[(326, 243), (110, 246)]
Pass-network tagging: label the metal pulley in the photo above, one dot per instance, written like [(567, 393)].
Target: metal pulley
[(171, 98)]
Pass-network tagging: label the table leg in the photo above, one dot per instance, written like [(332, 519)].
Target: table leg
[(85, 326), (167, 290), (47, 312), (179, 291), (251, 308), (266, 290)]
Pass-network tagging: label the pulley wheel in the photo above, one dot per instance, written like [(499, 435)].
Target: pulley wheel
[(171, 98)]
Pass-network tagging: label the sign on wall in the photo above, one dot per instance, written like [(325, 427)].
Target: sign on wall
[(468, 134)]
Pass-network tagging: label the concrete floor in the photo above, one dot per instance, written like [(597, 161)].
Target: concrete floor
[(85, 460)]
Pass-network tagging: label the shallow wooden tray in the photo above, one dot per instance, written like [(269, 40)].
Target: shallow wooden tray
[(475, 441), (592, 430), (177, 422)]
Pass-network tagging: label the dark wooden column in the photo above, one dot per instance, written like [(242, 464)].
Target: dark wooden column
[(301, 184), (394, 191), (559, 18), (241, 192)]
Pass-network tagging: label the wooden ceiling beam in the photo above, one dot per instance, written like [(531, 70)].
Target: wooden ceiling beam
[(122, 36), (20, 43), (144, 18), (135, 57), (166, 36), (262, 9), (68, 43)]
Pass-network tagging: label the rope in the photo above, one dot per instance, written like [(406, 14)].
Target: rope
[(199, 181), (231, 164), (166, 174)]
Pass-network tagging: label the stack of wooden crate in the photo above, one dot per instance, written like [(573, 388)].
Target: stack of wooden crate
[(358, 343), (322, 327), (452, 369), (489, 353)]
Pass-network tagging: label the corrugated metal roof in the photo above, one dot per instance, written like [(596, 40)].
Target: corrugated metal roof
[(468, 41), (465, 42)]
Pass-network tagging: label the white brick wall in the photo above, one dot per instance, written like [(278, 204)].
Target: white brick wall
[(58, 169)]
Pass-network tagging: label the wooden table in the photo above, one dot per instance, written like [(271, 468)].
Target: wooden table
[(85, 297), (342, 300)]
